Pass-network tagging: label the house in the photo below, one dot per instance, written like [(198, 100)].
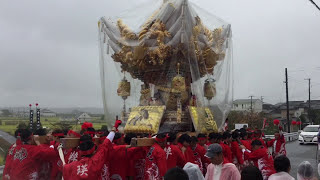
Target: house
[(47, 113), (245, 105), (296, 109), (84, 117)]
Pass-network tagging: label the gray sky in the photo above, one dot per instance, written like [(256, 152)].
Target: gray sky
[(49, 49)]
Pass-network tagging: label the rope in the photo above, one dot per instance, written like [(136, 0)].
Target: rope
[(315, 4)]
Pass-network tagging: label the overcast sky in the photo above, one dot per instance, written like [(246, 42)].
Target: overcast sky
[(49, 49)]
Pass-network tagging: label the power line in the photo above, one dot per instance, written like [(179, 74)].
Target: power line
[(315, 4)]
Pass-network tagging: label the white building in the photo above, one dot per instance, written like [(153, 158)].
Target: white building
[(47, 113), (245, 105), (84, 117)]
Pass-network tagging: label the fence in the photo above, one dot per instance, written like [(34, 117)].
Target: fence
[(287, 136)]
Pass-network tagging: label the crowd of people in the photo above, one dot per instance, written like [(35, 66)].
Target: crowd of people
[(230, 155)]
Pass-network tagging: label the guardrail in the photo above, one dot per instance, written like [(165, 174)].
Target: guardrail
[(1, 170), (287, 136)]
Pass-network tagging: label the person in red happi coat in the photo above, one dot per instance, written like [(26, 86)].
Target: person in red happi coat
[(184, 145), (236, 151), (260, 157), (258, 136), (202, 140), (174, 155), (198, 154), (278, 144), (225, 144), (92, 164), (10, 155), (120, 156), (28, 159), (156, 163), (244, 139), (136, 165)]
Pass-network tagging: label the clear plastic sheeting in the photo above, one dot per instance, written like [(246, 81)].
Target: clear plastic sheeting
[(169, 53)]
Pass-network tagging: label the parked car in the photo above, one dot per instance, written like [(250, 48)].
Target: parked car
[(309, 134)]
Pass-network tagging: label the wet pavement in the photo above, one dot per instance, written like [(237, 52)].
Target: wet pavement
[(298, 153)]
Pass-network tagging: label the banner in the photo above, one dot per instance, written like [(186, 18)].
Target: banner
[(38, 118), (31, 120)]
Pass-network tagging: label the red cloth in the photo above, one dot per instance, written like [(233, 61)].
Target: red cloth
[(119, 157), (246, 143), (237, 154), (226, 150), (156, 165), (9, 160), (174, 157), (263, 160), (137, 164), (135, 167), (28, 159), (90, 168)]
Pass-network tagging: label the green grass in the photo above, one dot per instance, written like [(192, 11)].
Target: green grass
[(1, 161)]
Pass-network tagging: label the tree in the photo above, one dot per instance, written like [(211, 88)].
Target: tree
[(104, 128), (63, 125), (254, 120), (22, 125), (315, 116)]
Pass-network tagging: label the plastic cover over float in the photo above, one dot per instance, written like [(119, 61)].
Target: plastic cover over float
[(163, 47)]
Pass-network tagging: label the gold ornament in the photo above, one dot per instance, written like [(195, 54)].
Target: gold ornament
[(124, 88), (209, 89), (178, 82)]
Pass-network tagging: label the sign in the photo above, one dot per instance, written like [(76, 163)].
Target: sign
[(239, 126)]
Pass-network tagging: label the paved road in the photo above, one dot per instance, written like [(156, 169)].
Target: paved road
[(7, 137), (298, 153)]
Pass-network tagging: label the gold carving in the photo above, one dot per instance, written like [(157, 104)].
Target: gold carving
[(203, 119), (124, 88)]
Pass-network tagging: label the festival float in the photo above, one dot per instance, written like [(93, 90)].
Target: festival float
[(166, 66)]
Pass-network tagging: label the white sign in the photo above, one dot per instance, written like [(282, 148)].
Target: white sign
[(239, 126)]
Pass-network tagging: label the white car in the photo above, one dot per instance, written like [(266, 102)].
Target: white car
[(309, 134)]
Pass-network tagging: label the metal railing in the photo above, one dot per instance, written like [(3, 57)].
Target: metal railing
[(287, 136)]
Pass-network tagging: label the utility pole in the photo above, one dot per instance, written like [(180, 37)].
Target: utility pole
[(309, 104), (287, 98), (251, 104)]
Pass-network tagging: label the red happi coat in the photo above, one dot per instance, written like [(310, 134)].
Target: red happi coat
[(138, 164), (199, 158), (226, 151), (156, 164), (278, 146), (28, 161), (9, 160), (119, 158), (263, 160), (188, 154), (174, 156), (246, 144), (237, 154), (90, 168)]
